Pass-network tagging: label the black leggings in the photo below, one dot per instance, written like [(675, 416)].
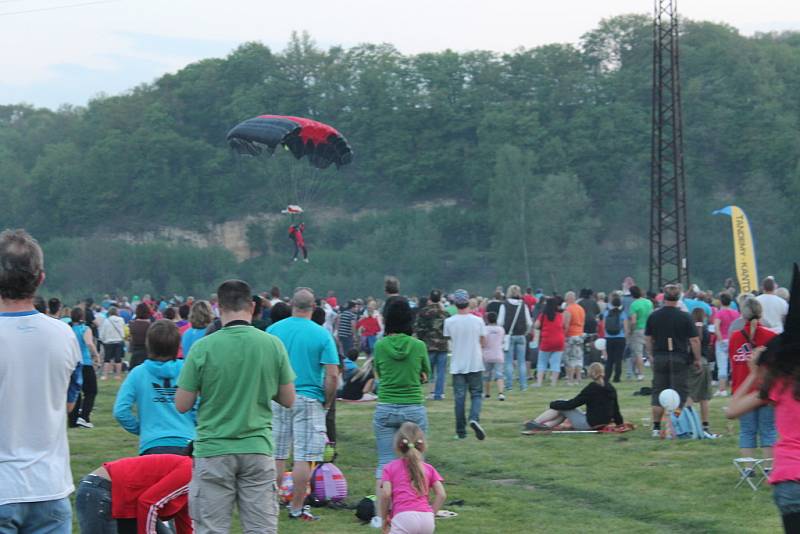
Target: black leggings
[(85, 403), (615, 349), (791, 523), (297, 249)]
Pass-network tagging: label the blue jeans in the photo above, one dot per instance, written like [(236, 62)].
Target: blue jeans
[(387, 419), (758, 423), (44, 517), (516, 351), (548, 359), (439, 372), (787, 497), (347, 344), (93, 505), (462, 382)]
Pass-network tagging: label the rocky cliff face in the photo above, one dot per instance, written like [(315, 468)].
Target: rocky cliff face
[(232, 235)]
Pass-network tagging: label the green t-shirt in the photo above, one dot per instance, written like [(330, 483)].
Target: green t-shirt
[(399, 362), (236, 371), (642, 307)]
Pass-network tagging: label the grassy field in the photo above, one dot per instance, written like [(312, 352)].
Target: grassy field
[(512, 483)]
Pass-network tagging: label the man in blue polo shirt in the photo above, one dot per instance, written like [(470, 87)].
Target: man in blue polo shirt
[(315, 361)]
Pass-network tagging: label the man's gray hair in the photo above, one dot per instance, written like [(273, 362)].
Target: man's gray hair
[(21, 265), (303, 299)]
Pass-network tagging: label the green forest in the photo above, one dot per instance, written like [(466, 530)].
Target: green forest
[(470, 168)]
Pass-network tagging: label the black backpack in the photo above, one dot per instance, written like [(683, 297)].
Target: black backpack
[(613, 322)]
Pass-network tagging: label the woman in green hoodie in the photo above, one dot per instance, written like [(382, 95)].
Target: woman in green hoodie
[(402, 366)]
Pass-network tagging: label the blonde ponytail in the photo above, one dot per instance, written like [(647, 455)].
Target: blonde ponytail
[(410, 444)]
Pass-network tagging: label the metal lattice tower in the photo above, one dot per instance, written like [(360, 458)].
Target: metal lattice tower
[(668, 239)]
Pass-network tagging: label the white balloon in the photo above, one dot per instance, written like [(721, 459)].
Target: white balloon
[(600, 344), (669, 399)]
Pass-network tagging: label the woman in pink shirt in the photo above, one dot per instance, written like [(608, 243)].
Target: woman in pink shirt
[(777, 368), (723, 318), (405, 485)]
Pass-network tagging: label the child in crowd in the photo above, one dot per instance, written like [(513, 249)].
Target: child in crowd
[(132, 495), (151, 387), (406, 483), (493, 357), (350, 364), (361, 384)]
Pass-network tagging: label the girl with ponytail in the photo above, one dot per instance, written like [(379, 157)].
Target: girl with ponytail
[(757, 427), (406, 483)]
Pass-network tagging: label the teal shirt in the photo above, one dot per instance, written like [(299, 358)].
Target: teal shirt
[(310, 348)]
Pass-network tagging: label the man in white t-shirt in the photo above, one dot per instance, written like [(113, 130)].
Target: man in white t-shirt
[(467, 335), (39, 382), (774, 308)]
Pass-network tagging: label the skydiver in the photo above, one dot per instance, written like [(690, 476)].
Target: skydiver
[(296, 235)]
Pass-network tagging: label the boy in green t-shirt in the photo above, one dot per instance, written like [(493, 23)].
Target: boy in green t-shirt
[(640, 309), (237, 372)]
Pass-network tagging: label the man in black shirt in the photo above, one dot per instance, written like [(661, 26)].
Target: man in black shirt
[(672, 339)]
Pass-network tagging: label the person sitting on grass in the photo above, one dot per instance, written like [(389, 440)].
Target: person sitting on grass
[(600, 399), (406, 483), (151, 388), (361, 385), (133, 495)]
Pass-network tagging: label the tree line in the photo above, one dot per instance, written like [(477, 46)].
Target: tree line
[(545, 151)]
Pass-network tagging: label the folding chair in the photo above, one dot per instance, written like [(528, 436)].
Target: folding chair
[(753, 471)]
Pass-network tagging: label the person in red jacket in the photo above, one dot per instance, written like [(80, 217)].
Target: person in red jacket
[(296, 235), (759, 423), (132, 495)]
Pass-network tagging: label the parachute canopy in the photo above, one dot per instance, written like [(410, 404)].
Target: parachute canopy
[(322, 144), (292, 209)]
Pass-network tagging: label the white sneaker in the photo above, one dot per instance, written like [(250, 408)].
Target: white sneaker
[(655, 433), (639, 377), (709, 435), (723, 393), (84, 423), (501, 397), (376, 522)]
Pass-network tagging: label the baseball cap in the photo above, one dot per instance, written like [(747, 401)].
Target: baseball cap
[(460, 296)]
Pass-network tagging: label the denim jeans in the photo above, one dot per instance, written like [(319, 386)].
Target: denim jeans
[(462, 382), (516, 351), (548, 359), (93, 505), (787, 497), (760, 422), (387, 419), (439, 371), (43, 517)]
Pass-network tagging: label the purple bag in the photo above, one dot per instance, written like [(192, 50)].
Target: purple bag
[(328, 483)]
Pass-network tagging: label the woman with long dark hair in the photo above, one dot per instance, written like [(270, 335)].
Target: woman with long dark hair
[(81, 414), (138, 332), (402, 366), (551, 341)]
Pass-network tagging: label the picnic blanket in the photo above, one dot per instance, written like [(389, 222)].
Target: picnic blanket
[(566, 429)]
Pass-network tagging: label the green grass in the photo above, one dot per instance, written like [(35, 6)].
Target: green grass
[(514, 483)]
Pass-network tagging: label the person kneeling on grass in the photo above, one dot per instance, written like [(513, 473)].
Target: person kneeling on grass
[(405, 485), (132, 496), (600, 399), (151, 387), (361, 385)]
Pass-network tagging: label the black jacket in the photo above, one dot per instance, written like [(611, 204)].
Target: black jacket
[(601, 404)]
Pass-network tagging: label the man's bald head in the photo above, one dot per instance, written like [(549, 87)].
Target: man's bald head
[(303, 300)]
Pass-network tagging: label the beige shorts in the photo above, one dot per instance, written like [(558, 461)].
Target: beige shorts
[(636, 343), (573, 352), (219, 482)]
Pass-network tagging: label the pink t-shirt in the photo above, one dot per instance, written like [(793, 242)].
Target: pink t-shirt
[(404, 497), (493, 351), (726, 317), (786, 465)]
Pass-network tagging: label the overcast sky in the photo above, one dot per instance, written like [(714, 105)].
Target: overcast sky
[(69, 54)]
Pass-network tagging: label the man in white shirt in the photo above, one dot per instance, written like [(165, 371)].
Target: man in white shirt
[(774, 308), (38, 364), (467, 335)]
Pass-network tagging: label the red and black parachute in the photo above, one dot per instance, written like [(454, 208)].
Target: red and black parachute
[(322, 144)]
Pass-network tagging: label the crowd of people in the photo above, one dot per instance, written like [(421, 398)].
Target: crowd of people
[(201, 381)]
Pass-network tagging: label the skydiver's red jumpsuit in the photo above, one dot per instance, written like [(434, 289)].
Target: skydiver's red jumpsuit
[(296, 234)]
